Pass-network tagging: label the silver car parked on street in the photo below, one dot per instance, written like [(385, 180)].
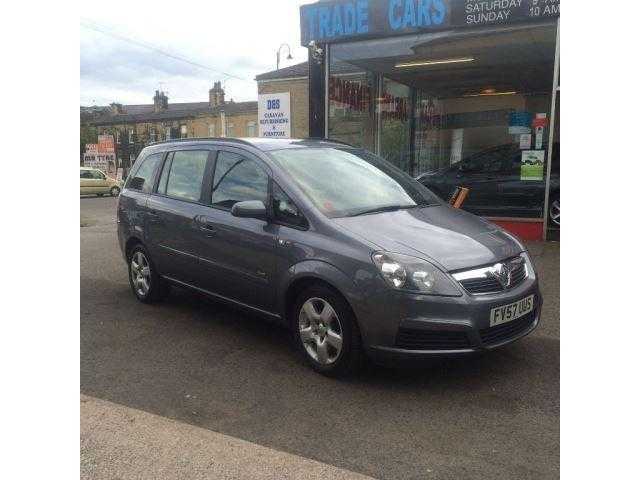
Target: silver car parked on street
[(353, 255)]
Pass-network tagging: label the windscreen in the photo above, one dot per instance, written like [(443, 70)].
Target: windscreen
[(349, 182)]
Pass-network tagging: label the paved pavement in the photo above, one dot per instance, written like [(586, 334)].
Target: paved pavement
[(203, 380)]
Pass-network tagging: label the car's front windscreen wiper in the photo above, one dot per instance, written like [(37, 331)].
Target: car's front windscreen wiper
[(386, 208)]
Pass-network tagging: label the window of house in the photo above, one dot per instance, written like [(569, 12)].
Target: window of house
[(251, 129), (130, 136), (284, 210), (152, 134), (183, 131), (186, 174), (238, 179), (167, 133), (145, 175), (230, 130), (212, 130)]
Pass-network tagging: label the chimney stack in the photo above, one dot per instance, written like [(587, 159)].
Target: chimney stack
[(116, 108), (216, 95), (160, 101)]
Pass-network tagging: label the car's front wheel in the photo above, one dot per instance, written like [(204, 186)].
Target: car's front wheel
[(147, 285), (326, 331), (554, 211), (115, 191)]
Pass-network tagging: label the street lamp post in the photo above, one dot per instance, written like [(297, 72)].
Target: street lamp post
[(289, 57)]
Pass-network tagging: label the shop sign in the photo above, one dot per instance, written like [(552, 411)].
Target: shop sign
[(91, 148), (274, 115), (334, 21), (102, 161), (106, 144), (532, 167)]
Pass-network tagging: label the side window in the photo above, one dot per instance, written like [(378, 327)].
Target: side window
[(485, 162), (98, 175), (284, 210), (85, 174), (237, 179), (143, 178), (186, 174)]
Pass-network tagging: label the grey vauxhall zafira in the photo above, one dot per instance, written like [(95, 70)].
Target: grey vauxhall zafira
[(349, 252)]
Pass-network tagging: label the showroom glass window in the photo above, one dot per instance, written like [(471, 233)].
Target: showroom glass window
[(443, 122)]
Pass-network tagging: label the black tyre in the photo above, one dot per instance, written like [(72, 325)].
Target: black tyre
[(554, 212), (146, 284), (326, 332), (115, 191)]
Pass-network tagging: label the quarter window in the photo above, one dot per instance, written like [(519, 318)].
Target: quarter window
[(186, 175), (238, 179), (143, 178), (284, 210)]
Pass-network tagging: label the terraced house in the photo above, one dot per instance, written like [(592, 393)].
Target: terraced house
[(134, 126)]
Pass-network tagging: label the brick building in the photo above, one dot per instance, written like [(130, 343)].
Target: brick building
[(134, 126), (295, 80)]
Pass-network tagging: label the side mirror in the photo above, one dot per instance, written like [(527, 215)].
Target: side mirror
[(250, 209)]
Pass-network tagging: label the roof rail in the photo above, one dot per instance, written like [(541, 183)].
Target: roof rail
[(199, 139), (324, 139)]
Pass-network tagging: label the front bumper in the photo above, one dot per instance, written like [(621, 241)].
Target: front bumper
[(406, 326)]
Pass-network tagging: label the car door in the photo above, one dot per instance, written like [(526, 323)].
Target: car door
[(172, 209), (237, 255), (481, 173), (100, 182), (86, 179)]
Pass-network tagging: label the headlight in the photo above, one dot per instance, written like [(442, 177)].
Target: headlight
[(413, 274), (531, 272)]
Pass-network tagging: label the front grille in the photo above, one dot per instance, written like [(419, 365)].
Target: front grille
[(481, 285), (483, 281), (506, 331), (412, 339)]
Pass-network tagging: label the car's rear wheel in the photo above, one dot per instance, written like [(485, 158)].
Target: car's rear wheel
[(115, 191), (554, 211), (146, 284), (326, 332)]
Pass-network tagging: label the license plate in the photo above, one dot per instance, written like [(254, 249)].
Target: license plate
[(510, 312)]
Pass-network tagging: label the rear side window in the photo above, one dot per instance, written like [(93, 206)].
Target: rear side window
[(186, 175), (85, 174), (144, 177), (238, 179)]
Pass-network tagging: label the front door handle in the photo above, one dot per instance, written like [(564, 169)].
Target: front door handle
[(205, 225)]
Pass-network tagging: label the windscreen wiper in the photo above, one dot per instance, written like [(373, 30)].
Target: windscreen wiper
[(386, 208)]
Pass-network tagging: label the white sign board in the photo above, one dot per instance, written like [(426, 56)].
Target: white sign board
[(274, 115)]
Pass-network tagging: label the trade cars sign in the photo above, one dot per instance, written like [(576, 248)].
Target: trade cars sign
[(274, 115), (337, 20)]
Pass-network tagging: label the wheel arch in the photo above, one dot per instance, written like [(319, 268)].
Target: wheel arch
[(313, 272), (130, 245)]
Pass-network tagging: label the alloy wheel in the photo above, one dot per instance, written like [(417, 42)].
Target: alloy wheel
[(140, 274), (554, 212), (320, 331)]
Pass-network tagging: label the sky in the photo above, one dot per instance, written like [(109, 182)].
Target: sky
[(120, 48)]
